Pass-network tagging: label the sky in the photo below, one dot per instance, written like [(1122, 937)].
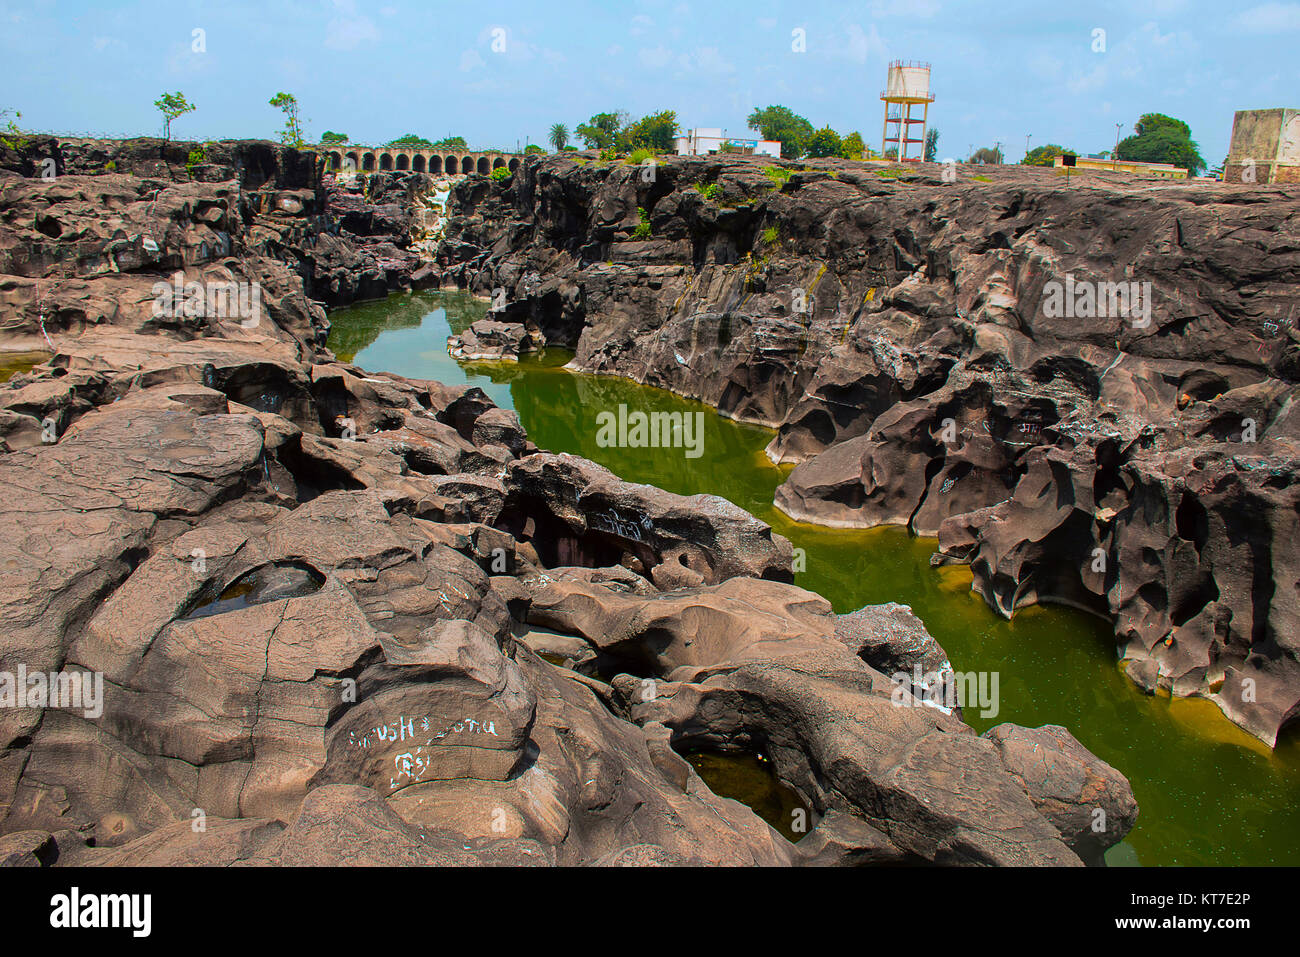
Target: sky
[(501, 73)]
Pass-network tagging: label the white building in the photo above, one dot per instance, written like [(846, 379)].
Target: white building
[(704, 140)]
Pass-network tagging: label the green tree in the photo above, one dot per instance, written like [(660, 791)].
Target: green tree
[(1150, 122), (601, 131), (452, 141), (782, 123), (291, 135), (853, 147), (532, 148), (410, 139), (172, 105), (931, 145), (1162, 139), (825, 142), (654, 132), (330, 138), (1044, 155), (11, 136), (559, 137), (986, 156)]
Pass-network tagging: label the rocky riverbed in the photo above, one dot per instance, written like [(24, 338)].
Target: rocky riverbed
[(326, 605), (1087, 393)]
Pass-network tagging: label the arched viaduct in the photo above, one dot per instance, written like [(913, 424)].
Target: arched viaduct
[(435, 160)]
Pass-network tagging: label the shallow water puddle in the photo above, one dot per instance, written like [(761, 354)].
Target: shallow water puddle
[(266, 584), (751, 780)]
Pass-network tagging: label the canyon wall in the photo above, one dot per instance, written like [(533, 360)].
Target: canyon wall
[(951, 349)]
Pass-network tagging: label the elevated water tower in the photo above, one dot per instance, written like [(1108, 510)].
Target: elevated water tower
[(907, 94)]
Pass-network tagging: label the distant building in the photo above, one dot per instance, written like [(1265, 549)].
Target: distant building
[(1265, 147), (705, 140), (1097, 164)]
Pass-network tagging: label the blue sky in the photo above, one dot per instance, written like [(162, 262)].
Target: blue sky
[(376, 70)]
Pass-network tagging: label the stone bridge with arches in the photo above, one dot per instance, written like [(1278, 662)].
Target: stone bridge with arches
[(436, 160)]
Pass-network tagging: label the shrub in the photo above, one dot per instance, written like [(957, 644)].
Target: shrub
[(780, 175), (642, 230), (640, 156), (712, 191), (501, 172), (197, 156), (771, 235)]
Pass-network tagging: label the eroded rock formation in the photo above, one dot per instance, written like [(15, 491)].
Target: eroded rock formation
[(312, 593), (955, 354)]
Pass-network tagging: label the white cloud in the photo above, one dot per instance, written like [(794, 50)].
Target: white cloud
[(614, 50), (470, 60), (700, 60), (710, 60), (1087, 82), (1153, 34), (640, 24), (1270, 18), (865, 44), (183, 61), (656, 58), (349, 29)]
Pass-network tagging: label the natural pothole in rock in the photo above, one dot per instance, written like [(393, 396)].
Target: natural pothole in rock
[(261, 585), (750, 779)]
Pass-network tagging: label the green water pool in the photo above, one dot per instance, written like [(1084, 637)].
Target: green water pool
[(1209, 793), (12, 363)]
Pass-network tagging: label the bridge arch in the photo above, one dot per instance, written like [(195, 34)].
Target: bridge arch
[(466, 165), (435, 164), (336, 161), (417, 163), (483, 166), (514, 165), (353, 161), (386, 161), (368, 162), (403, 161), (498, 163), (452, 164)]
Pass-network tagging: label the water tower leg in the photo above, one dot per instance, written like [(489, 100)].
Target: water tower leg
[(925, 129)]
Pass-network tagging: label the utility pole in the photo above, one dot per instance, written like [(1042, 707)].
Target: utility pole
[(997, 151), (1027, 136), (1114, 157)]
